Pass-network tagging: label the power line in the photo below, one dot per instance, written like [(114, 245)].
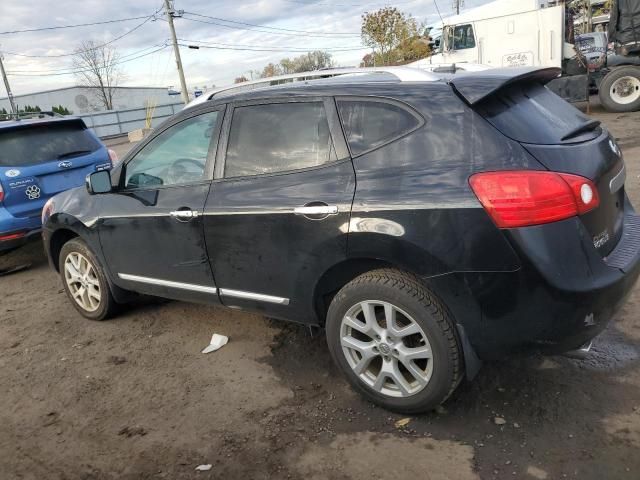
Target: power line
[(240, 46), (73, 72), (262, 49), (438, 10), (313, 4), (69, 54), (272, 28), (72, 26), (67, 69), (262, 31)]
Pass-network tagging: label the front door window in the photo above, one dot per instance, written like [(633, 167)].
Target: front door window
[(177, 156)]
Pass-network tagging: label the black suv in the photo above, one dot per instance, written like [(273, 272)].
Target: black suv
[(426, 224)]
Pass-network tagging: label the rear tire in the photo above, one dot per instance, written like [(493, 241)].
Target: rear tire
[(620, 90), (410, 364), (85, 282)]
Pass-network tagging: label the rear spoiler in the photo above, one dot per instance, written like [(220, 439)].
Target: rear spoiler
[(42, 122), (474, 87)]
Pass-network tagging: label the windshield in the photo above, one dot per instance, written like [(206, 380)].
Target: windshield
[(44, 143)]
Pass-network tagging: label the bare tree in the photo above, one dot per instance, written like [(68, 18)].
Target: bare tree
[(97, 69)]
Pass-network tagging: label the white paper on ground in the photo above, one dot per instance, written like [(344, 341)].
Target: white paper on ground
[(217, 342), (203, 468)]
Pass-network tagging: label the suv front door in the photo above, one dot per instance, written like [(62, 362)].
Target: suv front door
[(278, 213), (151, 225)]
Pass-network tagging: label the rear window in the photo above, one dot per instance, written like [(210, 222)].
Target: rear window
[(530, 113), (44, 143), (368, 124)]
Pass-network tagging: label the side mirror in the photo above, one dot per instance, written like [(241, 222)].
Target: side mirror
[(98, 182)]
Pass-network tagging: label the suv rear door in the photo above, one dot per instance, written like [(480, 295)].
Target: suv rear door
[(41, 159), (278, 213)]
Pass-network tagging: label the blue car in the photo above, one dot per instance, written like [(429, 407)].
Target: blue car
[(38, 159)]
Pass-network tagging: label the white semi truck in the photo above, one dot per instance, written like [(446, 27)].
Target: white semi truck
[(514, 33)]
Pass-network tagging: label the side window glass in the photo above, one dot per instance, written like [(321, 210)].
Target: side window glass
[(278, 137), (463, 37), (370, 124), (176, 156)]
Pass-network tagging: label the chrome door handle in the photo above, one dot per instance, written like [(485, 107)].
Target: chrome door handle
[(316, 210), (184, 214)]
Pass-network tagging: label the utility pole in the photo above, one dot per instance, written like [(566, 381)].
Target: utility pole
[(176, 50), (457, 4), (14, 111)]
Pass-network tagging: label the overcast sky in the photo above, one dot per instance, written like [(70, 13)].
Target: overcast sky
[(335, 26)]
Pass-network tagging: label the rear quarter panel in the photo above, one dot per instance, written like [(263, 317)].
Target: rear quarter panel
[(413, 205)]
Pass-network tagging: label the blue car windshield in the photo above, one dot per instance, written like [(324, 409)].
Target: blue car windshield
[(37, 144)]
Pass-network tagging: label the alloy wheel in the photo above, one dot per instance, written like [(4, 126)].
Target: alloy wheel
[(82, 280), (386, 348)]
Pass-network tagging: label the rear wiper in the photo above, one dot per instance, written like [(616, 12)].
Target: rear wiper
[(585, 127), (71, 154)]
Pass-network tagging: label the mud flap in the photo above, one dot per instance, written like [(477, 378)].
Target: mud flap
[(572, 88), (472, 363)]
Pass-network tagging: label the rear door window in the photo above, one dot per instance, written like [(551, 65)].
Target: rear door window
[(44, 143), (530, 113), (369, 124), (278, 137)]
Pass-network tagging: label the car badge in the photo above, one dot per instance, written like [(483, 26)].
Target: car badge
[(12, 173), (65, 164), (601, 239), (33, 192)]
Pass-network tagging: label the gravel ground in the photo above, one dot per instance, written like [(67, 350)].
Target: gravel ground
[(133, 398)]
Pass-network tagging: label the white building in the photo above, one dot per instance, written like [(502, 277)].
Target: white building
[(84, 100)]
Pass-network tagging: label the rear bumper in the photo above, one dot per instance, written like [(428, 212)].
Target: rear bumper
[(8, 245), (9, 225), (564, 294)]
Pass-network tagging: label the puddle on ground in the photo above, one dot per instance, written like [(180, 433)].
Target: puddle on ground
[(385, 456)]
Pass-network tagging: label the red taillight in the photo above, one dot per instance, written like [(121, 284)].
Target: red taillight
[(526, 197), (1, 194), (113, 156)]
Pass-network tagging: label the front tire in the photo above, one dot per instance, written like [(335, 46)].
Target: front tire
[(85, 282), (394, 341), (620, 90)]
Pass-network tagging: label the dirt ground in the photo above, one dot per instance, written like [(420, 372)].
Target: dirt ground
[(133, 398)]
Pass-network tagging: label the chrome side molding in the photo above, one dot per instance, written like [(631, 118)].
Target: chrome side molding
[(168, 283), (226, 292)]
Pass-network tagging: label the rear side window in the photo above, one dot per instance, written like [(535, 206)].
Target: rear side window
[(530, 113), (44, 143), (278, 137), (368, 124)]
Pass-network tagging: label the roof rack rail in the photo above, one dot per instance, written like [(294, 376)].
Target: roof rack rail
[(403, 74)]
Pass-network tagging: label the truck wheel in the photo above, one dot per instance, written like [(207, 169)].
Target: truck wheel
[(85, 281), (394, 341), (620, 90)]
